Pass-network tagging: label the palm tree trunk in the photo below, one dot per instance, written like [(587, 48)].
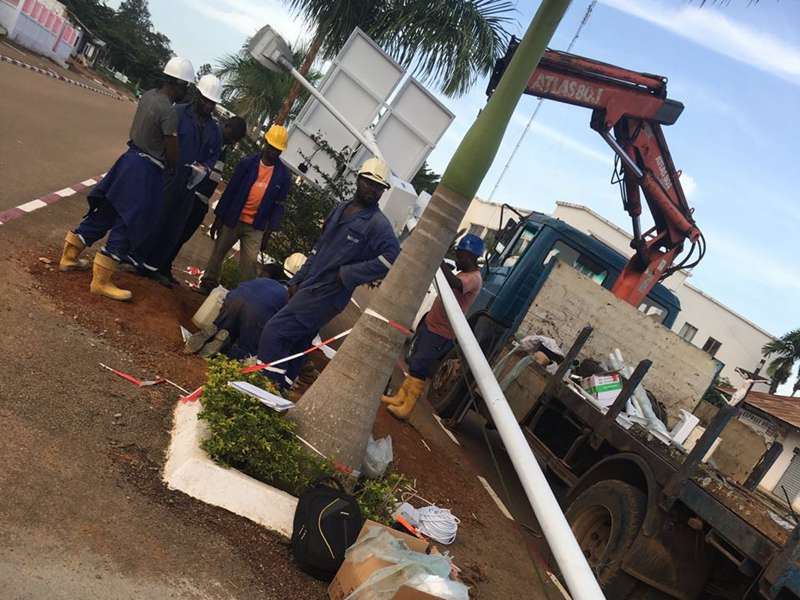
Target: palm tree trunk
[(294, 91), (337, 413)]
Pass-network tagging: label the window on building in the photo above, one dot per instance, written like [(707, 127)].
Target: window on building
[(711, 346), (688, 331)]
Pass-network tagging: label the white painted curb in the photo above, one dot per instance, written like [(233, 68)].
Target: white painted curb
[(190, 470)]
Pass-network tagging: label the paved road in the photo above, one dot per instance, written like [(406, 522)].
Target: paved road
[(54, 134)]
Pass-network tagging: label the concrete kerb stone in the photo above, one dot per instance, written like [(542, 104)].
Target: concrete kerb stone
[(190, 470), (54, 75)]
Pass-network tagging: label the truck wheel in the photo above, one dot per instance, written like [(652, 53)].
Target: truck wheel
[(605, 519), (447, 388)]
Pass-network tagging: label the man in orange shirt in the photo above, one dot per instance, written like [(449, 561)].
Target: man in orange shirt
[(250, 209), (434, 336)]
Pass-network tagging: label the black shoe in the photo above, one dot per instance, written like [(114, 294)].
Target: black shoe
[(160, 278)]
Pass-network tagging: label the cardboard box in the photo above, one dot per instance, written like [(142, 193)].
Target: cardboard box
[(605, 388), (351, 575)]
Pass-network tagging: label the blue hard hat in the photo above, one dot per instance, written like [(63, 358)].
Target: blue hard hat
[(472, 244)]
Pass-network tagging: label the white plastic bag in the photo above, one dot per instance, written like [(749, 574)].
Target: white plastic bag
[(425, 572), (379, 455)]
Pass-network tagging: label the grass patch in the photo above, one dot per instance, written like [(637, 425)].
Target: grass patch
[(260, 442)]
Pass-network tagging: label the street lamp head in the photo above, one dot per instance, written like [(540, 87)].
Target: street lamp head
[(270, 49)]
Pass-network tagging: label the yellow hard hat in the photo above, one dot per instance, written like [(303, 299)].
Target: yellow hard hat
[(294, 263), (277, 137), (376, 170)]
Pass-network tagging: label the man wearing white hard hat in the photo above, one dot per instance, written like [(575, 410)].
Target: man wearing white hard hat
[(357, 246), (199, 148), (122, 205)]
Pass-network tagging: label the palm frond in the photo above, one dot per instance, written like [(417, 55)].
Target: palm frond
[(447, 42)]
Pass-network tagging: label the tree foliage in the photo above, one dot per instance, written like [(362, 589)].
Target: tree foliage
[(253, 92), (135, 48), (785, 354), (426, 179), (205, 69), (449, 42)]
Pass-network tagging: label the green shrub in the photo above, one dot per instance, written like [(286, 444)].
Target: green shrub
[(260, 442)]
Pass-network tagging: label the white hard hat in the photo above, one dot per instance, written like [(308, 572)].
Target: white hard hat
[(180, 68), (210, 87), (294, 263), (376, 170)]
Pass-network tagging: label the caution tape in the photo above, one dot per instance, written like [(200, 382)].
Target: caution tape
[(195, 395), (395, 324), (140, 383)]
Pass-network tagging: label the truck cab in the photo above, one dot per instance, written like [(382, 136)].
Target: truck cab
[(518, 265)]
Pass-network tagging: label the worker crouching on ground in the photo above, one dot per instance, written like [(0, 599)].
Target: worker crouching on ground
[(250, 209), (199, 148), (434, 336), (129, 197), (357, 246), (245, 311)]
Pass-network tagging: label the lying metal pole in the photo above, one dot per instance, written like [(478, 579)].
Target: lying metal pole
[(577, 573), (369, 144)]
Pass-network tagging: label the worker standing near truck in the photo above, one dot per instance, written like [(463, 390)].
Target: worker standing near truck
[(357, 246), (250, 209), (434, 336), (128, 198), (199, 148)]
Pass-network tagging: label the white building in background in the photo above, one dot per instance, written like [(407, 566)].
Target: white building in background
[(703, 321)]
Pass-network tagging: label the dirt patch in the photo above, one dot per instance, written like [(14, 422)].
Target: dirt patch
[(148, 326), (489, 549)]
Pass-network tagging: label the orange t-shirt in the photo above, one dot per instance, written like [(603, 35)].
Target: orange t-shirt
[(437, 320), (256, 194)]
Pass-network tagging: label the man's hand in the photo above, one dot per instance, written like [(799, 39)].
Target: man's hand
[(265, 240), (446, 266), (215, 227), (292, 289)]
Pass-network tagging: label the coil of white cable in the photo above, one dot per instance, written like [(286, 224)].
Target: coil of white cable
[(439, 524)]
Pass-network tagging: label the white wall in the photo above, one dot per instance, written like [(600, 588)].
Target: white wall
[(773, 476), (487, 215), (741, 340)]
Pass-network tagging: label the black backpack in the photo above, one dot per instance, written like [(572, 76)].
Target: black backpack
[(326, 523)]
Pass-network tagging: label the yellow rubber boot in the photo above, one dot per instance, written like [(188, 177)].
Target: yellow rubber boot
[(404, 402), (102, 270), (70, 261)]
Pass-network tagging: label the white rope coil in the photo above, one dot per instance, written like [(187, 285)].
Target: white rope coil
[(439, 524)]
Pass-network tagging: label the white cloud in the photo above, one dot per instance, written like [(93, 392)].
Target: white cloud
[(248, 16), (689, 185), (752, 263), (713, 30), (566, 141)]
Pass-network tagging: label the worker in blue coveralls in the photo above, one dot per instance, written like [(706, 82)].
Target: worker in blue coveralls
[(199, 148), (129, 197), (250, 209), (245, 311), (357, 246)]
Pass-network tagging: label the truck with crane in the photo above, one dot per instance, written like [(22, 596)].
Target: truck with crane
[(655, 521)]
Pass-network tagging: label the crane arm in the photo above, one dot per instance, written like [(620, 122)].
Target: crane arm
[(628, 111)]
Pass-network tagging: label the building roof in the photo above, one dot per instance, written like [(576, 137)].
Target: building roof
[(783, 408), (688, 273)]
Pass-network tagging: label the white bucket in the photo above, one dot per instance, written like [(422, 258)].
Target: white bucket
[(209, 310)]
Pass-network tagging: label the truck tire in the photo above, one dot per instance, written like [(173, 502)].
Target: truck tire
[(448, 388), (605, 519)]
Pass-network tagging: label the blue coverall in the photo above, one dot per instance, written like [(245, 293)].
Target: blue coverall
[(124, 202), (351, 251), (245, 312), (200, 142)]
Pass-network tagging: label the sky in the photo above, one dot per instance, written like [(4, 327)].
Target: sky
[(734, 65)]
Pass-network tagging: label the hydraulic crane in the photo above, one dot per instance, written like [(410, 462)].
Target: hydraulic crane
[(628, 110)]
